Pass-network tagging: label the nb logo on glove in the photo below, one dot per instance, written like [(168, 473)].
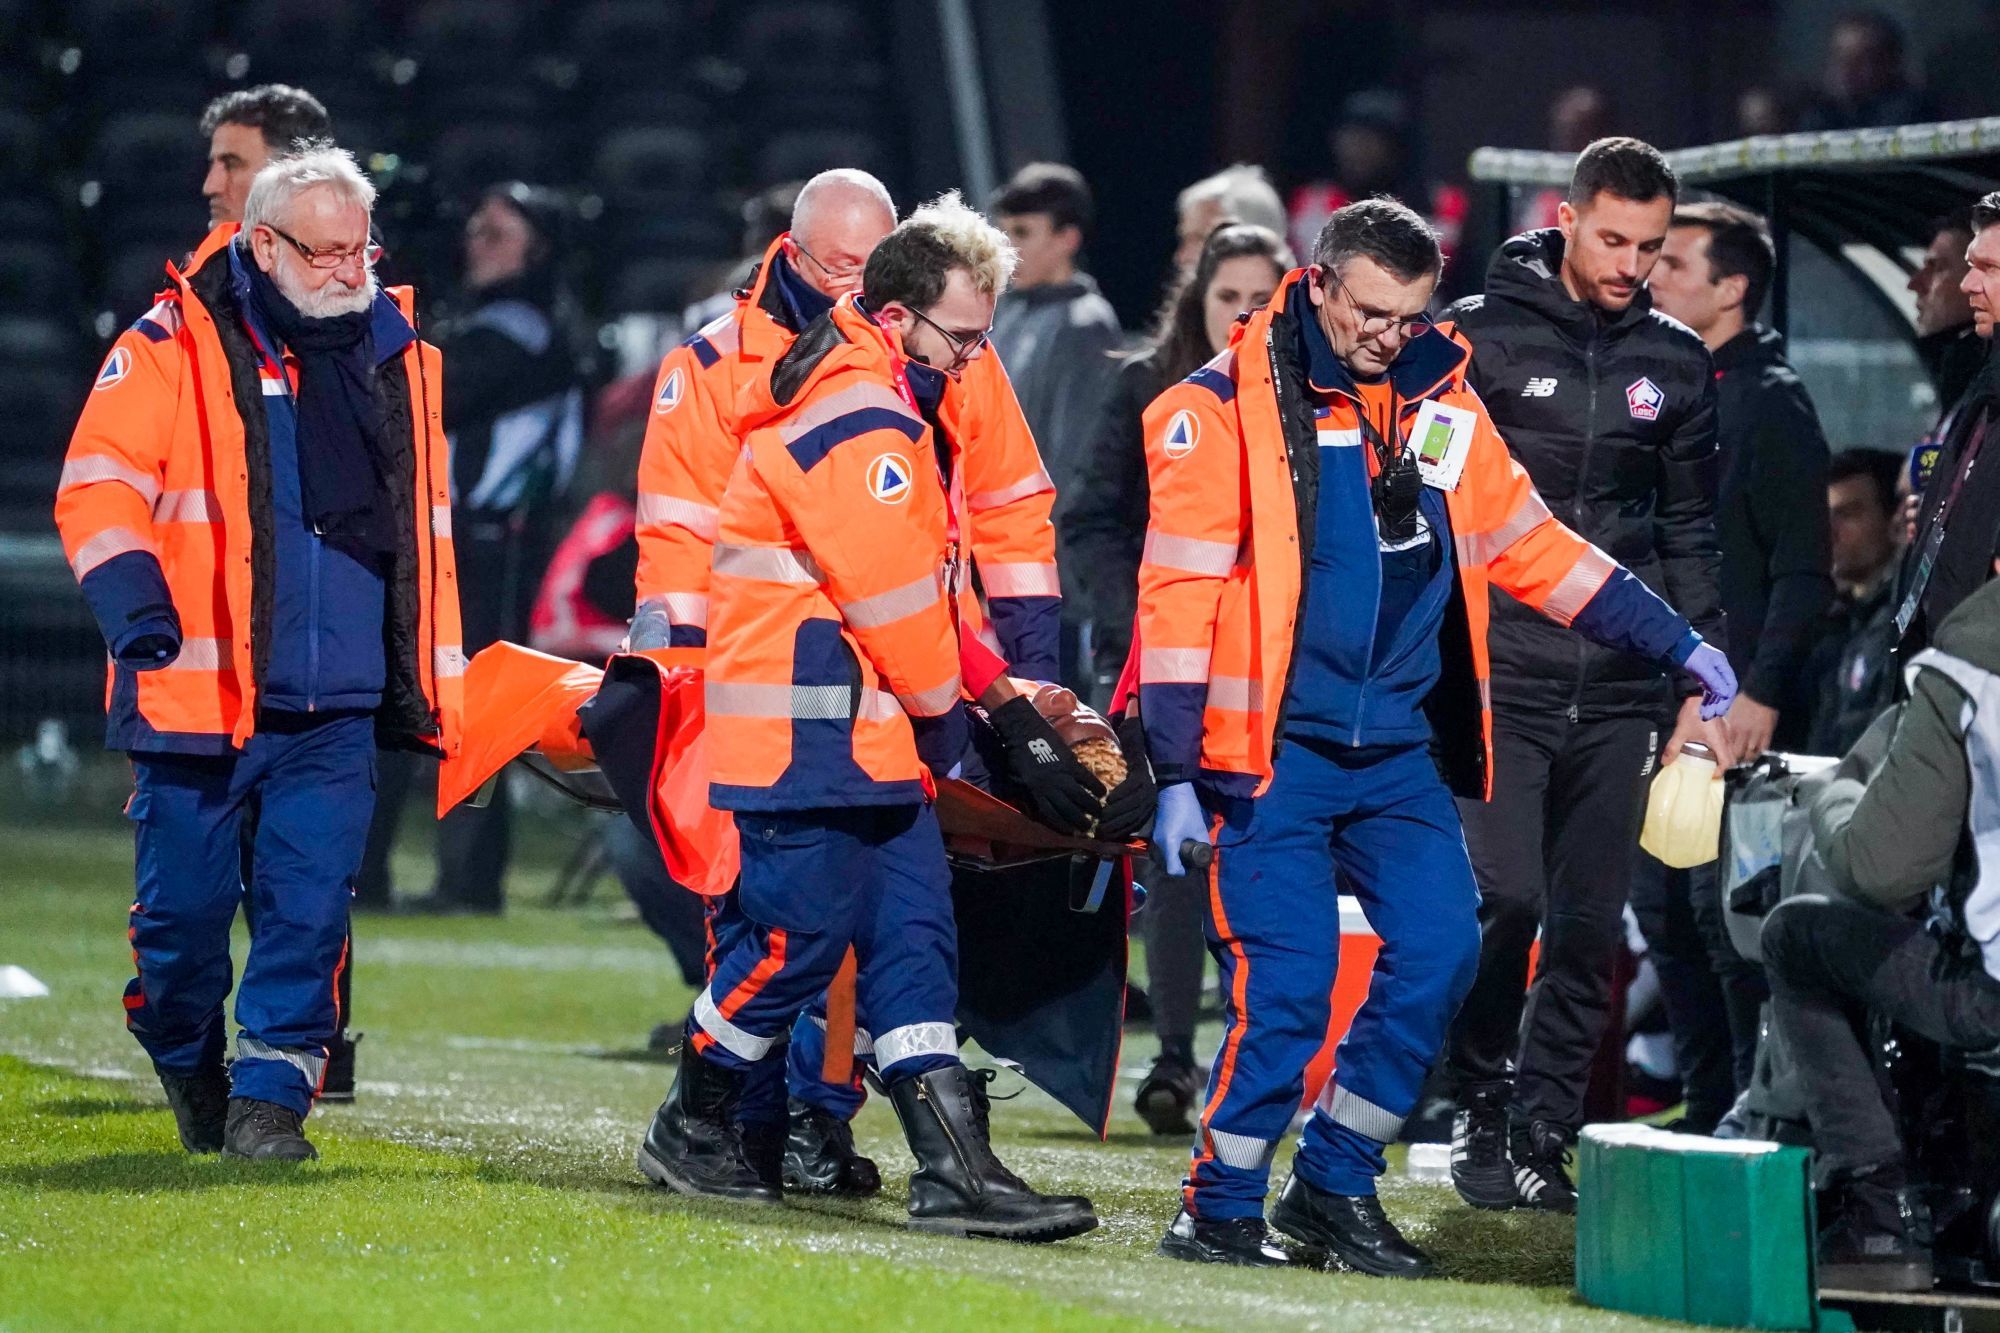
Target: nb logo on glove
[(1044, 752)]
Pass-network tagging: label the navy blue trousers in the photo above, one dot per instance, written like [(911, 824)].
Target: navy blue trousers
[(313, 787), (813, 883), (1380, 825)]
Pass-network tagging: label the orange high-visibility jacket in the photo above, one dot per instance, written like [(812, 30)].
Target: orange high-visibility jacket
[(159, 469), (695, 431), (829, 624), (1221, 579)]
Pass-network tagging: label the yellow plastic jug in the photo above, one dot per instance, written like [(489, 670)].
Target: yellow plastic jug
[(1684, 810)]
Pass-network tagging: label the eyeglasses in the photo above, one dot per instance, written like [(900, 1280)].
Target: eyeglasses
[(1375, 323), (330, 257), (964, 346), (839, 275)]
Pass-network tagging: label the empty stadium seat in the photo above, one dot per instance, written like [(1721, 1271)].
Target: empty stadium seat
[(21, 142), (648, 161), (806, 43), (145, 151), (627, 42), (290, 43), (796, 154), (464, 40), (471, 157), (135, 34), (37, 342), (658, 286), (37, 275)]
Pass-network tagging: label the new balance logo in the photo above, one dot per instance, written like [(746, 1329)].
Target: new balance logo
[(1044, 752), (1544, 387)]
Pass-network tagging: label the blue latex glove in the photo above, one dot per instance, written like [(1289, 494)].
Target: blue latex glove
[(1710, 666), (1179, 818)]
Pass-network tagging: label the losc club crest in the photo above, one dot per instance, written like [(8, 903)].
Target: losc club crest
[(889, 479), (1643, 400), (1182, 432), (669, 396), (116, 367)]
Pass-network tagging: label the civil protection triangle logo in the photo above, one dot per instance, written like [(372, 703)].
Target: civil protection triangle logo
[(1181, 435), (1643, 400), (889, 479), (116, 367), (669, 396)]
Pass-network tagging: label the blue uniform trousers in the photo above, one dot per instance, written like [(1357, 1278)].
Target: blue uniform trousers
[(312, 784), (813, 883), (767, 1085), (1378, 824)]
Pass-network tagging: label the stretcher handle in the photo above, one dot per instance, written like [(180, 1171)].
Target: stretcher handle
[(1196, 855)]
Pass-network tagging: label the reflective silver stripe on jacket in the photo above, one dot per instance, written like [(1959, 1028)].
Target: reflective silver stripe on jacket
[(1191, 555), (772, 564)]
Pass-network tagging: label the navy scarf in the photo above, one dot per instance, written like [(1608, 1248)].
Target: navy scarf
[(343, 474)]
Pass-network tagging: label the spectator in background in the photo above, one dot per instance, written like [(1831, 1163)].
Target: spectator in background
[(1765, 109), (1950, 348), (1369, 146), (1713, 275), (1959, 510), (1103, 523), (1578, 117), (1866, 80), (766, 215), (1851, 667), (513, 413), (1055, 333), (1238, 193), (245, 130)]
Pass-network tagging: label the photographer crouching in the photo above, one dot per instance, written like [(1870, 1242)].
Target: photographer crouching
[(1910, 837)]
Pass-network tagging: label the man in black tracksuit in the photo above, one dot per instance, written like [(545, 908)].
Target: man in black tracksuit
[(1772, 522), (1611, 409)]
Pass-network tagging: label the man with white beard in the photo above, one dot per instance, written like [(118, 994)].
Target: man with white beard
[(255, 503)]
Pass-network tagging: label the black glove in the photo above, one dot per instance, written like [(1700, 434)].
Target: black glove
[(1129, 807), (1061, 793)]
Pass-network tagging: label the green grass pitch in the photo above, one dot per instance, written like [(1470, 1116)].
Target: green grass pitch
[(485, 1177)]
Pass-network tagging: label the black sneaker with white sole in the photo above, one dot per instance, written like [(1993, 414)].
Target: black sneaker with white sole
[(1245, 1242), (1541, 1156), (1480, 1169)]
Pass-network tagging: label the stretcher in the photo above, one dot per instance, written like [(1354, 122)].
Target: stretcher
[(1042, 916)]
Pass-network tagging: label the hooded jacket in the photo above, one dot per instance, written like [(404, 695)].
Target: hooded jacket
[(1613, 416)]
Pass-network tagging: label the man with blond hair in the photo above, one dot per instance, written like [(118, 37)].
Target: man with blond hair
[(834, 697), (255, 504)]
